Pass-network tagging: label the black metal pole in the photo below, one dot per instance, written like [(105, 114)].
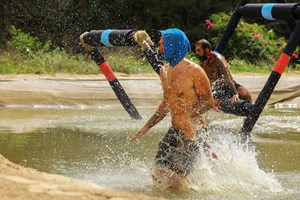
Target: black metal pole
[(119, 37), (268, 88), (110, 38), (270, 11), (153, 60), (232, 24), (115, 85)]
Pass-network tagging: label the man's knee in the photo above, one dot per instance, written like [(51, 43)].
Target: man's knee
[(244, 94), (164, 178)]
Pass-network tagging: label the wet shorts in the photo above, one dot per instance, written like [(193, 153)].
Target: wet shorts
[(221, 93), (177, 152), (220, 89)]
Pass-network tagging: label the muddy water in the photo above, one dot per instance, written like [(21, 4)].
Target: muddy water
[(90, 143)]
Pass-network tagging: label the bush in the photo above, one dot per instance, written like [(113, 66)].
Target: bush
[(26, 54), (250, 41), (238, 65), (27, 44)]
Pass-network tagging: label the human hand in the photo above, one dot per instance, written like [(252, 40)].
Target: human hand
[(136, 136), (86, 46), (234, 98), (143, 39)]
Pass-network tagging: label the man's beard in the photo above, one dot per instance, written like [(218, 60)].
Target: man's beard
[(203, 58)]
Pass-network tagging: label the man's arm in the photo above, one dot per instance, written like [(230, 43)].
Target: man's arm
[(159, 114), (202, 86), (228, 78), (226, 66)]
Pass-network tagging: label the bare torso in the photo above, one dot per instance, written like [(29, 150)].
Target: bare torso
[(186, 97), (218, 72), (214, 67)]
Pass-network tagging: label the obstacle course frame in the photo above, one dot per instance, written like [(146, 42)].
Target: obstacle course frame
[(268, 11), (130, 37)]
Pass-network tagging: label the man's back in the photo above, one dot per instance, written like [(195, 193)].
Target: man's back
[(214, 67)]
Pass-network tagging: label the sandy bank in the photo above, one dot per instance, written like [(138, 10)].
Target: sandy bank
[(17, 182), (91, 89)]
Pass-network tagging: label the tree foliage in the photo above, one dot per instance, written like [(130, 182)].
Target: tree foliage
[(62, 21), (250, 41)]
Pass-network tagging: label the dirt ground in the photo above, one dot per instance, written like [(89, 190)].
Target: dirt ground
[(17, 182), (90, 89)]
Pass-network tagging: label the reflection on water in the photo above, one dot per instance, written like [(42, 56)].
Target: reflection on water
[(92, 145)]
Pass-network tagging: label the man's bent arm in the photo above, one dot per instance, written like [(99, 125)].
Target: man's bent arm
[(226, 75), (159, 114)]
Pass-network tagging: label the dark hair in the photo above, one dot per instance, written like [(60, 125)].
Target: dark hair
[(204, 43)]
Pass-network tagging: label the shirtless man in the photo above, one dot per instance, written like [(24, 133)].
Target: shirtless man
[(186, 95), (230, 97), (218, 72)]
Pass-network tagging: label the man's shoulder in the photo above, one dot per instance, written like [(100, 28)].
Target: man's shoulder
[(218, 60), (191, 63), (214, 56), (219, 57), (194, 68)]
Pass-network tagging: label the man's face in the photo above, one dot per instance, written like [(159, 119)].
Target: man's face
[(201, 53), (161, 45)]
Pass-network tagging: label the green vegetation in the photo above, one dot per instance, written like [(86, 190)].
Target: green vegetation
[(63, 21), (26, 54), (250, 41), (239, 66)]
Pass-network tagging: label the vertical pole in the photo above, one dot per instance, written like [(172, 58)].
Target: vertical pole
[(231, 26), (268, 88), (115, 85)]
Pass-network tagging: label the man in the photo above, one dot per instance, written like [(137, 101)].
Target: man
[(186, 95), (230, 97), (218, 72)]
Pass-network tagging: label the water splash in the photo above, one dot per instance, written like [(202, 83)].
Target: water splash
[(235, 173)]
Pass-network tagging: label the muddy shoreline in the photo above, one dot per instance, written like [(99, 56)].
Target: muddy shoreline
[(65, 89)]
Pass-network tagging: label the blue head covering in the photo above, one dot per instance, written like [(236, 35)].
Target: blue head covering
[(176, 45)]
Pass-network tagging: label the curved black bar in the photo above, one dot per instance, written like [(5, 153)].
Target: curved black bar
[(115, 38), (268, 88), (232, 24), (124, 99), (97, 56), (294, 40), (271, 11), (110, 38), (240, 108), (291, 23), (115, 84), (296, 13), (152, 58)]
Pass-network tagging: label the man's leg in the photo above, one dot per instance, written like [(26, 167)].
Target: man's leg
[(244, 94)]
